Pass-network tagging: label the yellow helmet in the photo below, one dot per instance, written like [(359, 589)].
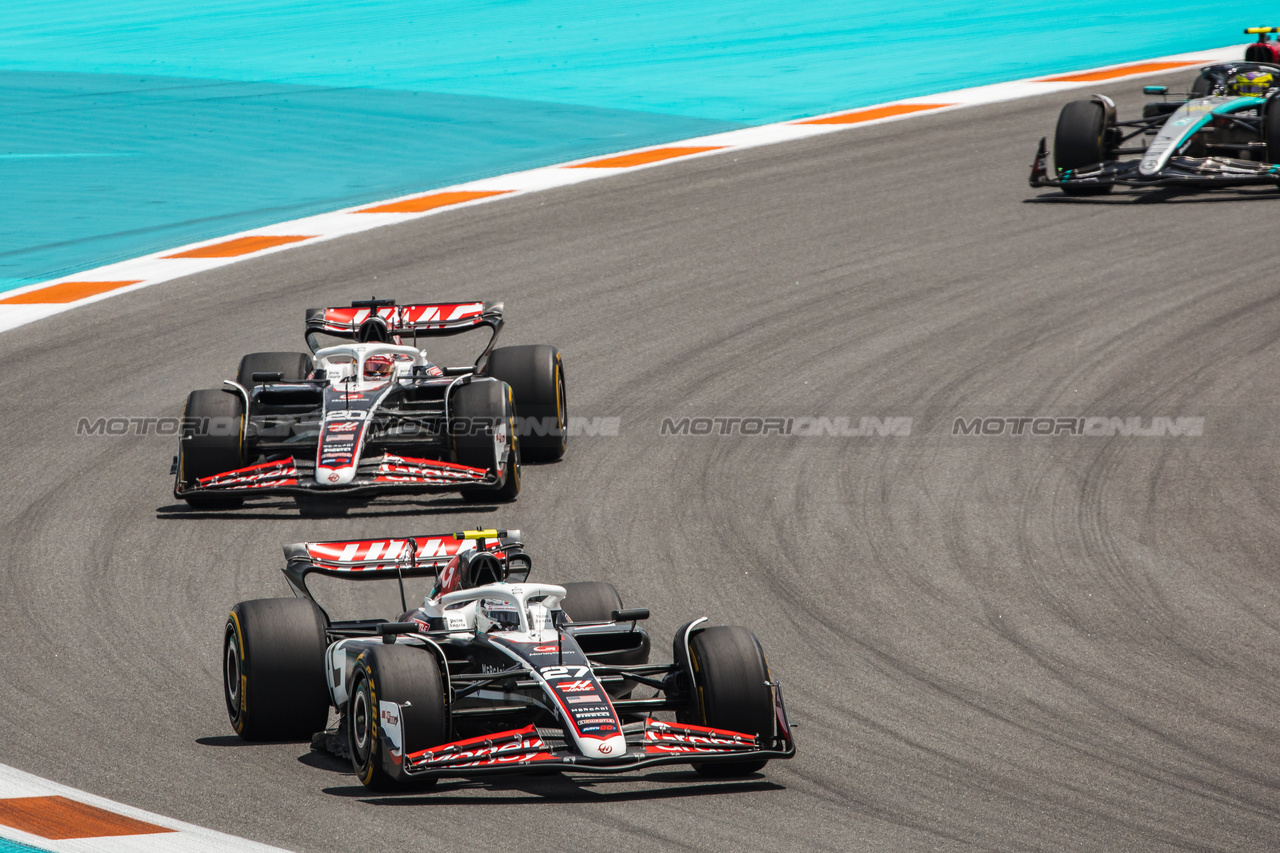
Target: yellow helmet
[(1251, 83)]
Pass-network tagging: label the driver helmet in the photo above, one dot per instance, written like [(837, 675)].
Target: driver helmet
[(378, 367), (496, 615), (1254, 84)]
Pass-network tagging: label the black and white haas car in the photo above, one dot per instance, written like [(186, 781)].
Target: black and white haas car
[(492, 674), (372, 415)]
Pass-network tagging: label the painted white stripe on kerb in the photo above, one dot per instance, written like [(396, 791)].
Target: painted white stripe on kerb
[(187, 838), (155, 268)]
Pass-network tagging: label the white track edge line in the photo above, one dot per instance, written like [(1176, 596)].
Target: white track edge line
[(185, 838)]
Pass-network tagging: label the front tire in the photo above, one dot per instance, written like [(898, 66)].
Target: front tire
[(479, 409), (1080, 140), (273, 669), (730, 675), (211, 443), (410, 677), (536, 376)]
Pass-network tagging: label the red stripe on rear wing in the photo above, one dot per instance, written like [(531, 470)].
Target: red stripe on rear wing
[(360, 559), (427, 319)]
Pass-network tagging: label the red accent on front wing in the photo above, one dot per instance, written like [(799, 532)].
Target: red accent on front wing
[(518, 746), (522, 747), (681, 749), (282, 472), (406, 469), (663, 737), (393, 469)]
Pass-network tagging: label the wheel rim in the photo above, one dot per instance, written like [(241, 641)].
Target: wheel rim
[(231, 674), (360, 723), (562, 406)]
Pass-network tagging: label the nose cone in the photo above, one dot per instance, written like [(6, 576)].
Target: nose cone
[(335, 476), (614, 747)]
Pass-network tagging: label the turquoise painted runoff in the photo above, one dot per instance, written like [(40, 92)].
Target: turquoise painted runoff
[(137, 125), (7, 846)]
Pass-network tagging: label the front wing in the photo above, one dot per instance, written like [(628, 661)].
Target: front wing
[(1201, 172), (377, 475), (649, 744)]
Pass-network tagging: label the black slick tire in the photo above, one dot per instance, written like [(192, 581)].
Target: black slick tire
[(730, 672), (536, 376), (477, 409), (1079, 141), (595, 601), (292, 367), (273, 669), (410, 677), (212, 428)]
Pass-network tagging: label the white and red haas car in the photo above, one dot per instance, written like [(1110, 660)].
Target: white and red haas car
[(373, 415), (492, 673)]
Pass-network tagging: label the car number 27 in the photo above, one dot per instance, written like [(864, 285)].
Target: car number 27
[(554, 673)]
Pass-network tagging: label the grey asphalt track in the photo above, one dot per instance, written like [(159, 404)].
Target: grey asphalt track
[(997, 643)]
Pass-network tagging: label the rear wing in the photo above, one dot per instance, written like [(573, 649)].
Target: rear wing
[(385, 321), (382, 559)]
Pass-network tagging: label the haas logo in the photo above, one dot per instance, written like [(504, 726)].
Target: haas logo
[(333, 477), (605, 749)]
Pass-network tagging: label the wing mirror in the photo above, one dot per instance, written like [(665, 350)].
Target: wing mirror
[(389, 630), (633, 614), (1155, 90)]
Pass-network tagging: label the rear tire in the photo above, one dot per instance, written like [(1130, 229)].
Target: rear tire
[(273, 669), (212, 428), (536, 376), (730, 672), (410, 677), (1080, 140), (292, 367), (477, 409), (590, 601)]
